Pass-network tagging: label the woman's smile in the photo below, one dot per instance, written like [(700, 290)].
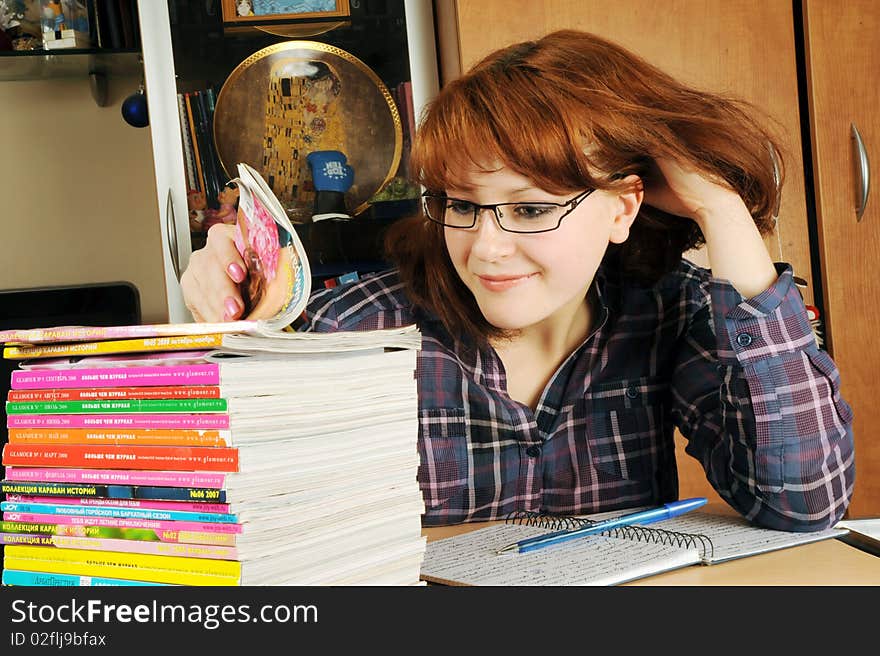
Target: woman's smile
[(504, 282)]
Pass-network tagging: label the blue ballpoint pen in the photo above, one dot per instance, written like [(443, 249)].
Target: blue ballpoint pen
[(665, 511)]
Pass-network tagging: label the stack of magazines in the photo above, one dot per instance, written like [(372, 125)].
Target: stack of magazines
[(212, 454), (183, 467)]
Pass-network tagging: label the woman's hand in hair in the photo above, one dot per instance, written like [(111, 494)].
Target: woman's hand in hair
[(734, 246), (690, 193), (210, 282)]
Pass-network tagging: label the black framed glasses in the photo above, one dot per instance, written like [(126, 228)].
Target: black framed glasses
[(523, 217)]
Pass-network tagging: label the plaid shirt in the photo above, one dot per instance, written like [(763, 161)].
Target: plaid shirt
[(742, 379)]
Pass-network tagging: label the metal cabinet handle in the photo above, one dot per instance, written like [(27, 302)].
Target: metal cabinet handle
[(777, 179), (860, 155), (171, 229)]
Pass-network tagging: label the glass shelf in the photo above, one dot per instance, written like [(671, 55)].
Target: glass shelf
[(45, 64)]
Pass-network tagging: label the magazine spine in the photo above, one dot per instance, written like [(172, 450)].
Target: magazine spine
[(138, 436), (125, 420), (191, 374), (200, 495), (147, 344), (123, 522), (102, 563), (116, 406), (114, 511), (121, 513), (44, 579), (95, 333), (111, 393), (191, 506), (180, 549), (95, 568), (121, 533), (118, 477), (181, 458)]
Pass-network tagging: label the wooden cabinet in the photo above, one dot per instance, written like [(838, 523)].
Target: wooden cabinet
[(752, 50), (843, 63), (169, 69)]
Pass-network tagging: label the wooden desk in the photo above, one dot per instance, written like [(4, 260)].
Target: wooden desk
[(829, 562)]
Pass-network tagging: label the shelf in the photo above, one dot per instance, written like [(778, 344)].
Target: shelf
[(18, 65)]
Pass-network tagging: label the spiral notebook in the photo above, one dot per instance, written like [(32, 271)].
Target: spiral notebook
[(621, 555)]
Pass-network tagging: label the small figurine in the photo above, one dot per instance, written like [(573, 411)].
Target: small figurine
[(226, 212), (332, 177), (244, 8), (196, 204)]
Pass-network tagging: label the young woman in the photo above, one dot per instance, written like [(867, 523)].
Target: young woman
[(564, 337)]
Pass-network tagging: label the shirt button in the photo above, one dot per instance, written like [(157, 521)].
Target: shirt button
[(533, 451), (743, 339), (632, 391)]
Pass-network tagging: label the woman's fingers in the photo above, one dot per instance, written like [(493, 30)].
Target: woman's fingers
[(210, 282)]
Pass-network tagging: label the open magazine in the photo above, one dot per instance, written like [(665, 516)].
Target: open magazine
[(277, 287), (275, 292)]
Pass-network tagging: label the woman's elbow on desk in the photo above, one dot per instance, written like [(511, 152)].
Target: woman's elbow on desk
[(805, 506)]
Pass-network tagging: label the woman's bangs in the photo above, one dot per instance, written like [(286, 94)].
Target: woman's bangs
[(446, 153)]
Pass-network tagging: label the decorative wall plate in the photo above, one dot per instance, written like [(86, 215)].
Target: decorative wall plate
[(296, 97)]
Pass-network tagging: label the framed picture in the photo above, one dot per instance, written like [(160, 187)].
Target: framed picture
[(297, 97), (245, 12)]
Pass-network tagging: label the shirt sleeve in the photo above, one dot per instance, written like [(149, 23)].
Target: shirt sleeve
[(761, 409)]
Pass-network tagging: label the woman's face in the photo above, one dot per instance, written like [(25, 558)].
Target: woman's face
[(533, 281)]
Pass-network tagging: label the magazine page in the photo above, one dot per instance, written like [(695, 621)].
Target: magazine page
[(63, 334), (278, 284)]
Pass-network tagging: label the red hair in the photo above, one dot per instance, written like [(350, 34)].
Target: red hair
[(572, 111)]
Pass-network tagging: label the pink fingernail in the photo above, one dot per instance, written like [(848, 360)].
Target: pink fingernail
[(231, 307), (236, 272)]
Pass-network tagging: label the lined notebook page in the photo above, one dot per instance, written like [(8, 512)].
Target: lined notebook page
[(471, 559), (734, 537)]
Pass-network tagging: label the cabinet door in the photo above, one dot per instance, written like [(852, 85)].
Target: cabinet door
[(167, 150), (843, 61), (740, 47)]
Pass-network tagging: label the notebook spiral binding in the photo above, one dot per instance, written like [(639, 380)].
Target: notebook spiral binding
[(637, 533)]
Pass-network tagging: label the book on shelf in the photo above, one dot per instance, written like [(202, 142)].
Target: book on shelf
[(128, 20), (618, 556), (110, 24), (186, 136), (213, 169)]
